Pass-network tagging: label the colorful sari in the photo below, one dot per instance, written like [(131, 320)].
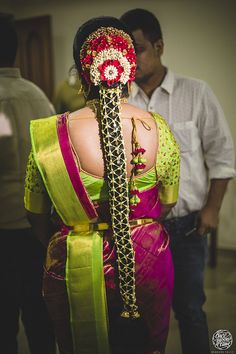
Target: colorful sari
[(81, 276)]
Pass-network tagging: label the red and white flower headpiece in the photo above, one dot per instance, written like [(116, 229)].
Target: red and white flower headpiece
[(108, 57)]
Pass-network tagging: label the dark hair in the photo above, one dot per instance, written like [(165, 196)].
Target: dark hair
[(145, 20), (8, 40), (82, 34)]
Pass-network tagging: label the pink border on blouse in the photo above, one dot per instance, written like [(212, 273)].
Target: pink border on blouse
[(72, 168)]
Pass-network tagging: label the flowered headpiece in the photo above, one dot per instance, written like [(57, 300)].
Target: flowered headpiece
[(108, 58)]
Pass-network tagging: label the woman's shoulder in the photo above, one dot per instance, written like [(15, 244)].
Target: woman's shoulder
[(166, 135), (159, 119), (85, 112), (162, 123), (133, 111)]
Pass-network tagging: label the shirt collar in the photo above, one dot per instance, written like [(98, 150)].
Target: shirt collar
[(10, 72), (167, 84)]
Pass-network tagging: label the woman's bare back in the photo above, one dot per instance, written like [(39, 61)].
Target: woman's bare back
[(85, 138)]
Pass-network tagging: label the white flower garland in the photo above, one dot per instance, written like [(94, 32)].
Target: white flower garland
[(110, 72)]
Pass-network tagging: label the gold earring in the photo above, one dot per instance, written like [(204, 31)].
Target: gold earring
[(81, 90)]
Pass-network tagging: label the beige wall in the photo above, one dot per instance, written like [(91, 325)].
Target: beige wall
[(200, 41)]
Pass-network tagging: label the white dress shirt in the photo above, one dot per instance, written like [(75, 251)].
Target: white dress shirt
[(198, 123), (20, 101)]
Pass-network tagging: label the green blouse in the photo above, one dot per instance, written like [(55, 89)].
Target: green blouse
[(166, 172)]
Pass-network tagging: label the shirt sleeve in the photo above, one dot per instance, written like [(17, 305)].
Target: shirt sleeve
[(168, 164), (36, 198), (217, 142)]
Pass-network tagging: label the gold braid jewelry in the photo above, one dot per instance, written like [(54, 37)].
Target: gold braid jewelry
[(115, 162)]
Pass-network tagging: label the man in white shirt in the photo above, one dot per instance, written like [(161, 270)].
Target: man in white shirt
[(22, 255), (207, 163)]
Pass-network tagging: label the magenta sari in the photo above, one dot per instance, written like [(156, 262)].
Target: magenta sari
[(154, 277)]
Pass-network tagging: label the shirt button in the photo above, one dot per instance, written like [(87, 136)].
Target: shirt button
[(150, 108)]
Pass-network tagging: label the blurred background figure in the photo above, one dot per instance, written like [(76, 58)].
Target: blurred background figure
[(207, 164), (21, 255), (69, 95)]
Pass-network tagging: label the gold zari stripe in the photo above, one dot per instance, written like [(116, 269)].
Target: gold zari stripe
[(169, 194), (105, 226)]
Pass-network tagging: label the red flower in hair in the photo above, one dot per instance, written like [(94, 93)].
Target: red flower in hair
[(110, 71)]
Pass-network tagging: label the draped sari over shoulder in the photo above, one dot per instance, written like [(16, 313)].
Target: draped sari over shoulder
[(81, 276)]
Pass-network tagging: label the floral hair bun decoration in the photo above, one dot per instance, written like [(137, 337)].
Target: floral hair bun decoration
[(108, 58)]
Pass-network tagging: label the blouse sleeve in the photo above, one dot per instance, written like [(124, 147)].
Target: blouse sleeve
[(36, 198), (168, 164)]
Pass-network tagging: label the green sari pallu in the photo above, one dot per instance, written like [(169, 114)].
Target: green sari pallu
[(84, 263)]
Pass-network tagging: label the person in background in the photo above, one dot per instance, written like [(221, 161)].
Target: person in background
[(111, 172), (69, 96), (21, 255), (207, 163)]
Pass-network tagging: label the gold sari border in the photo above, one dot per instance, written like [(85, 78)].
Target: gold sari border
[(86, 292), (51, 164), (169, 194)]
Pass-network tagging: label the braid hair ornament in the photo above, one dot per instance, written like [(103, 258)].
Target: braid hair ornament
[(108, 60), (113, 144)]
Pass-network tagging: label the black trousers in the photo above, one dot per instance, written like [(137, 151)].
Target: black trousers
[(21, 271), (189, 252)]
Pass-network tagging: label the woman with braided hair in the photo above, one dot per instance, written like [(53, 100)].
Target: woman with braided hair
[(110, 172)]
